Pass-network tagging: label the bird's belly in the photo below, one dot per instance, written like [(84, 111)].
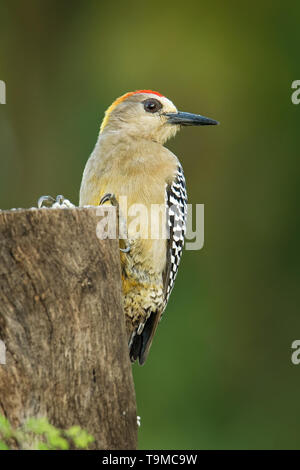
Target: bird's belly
[(142, 282), (140, 300)]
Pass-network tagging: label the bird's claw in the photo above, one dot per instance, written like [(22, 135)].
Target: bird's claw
[(58, 203), (114, 202), (45, 199), (109, 197), (125, 250)]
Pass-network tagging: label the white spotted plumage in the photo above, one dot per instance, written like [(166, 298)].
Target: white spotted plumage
[(176, 202)]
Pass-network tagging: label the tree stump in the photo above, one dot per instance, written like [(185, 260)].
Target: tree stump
[(62, 323)]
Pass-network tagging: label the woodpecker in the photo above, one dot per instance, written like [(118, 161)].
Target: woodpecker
[(130, 160)]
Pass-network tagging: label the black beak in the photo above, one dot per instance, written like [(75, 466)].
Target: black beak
[(188, 119)]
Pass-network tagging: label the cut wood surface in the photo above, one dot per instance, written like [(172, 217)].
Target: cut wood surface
[(62, 323)]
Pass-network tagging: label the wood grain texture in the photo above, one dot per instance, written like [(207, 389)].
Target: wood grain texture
[(62, 321)]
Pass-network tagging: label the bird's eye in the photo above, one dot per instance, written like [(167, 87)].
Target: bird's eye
[(152, 105)]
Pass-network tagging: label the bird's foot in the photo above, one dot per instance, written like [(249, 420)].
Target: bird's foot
[(125, 250), (111, 198), (114, 202), (55, 203)]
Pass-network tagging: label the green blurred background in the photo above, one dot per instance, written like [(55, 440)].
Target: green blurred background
[(219, 374)]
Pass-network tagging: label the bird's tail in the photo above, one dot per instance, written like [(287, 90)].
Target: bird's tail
[(141, 343)]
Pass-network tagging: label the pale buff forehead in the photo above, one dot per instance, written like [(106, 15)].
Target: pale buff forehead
[(168, 106)]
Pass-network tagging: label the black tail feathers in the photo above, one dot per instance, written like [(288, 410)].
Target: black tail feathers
[(141, 343)]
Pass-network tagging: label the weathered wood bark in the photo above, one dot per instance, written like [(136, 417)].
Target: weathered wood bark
[(62, 323)]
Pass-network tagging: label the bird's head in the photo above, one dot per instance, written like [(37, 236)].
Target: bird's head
[(149, 115)]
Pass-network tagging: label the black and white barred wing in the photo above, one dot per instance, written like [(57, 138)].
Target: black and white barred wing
[(176, 206), (176, 202)]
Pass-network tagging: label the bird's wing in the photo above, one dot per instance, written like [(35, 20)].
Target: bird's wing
[(176, 202), (176, 206)]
